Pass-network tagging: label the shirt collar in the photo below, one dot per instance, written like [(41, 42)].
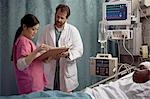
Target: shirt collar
[(61, 29)]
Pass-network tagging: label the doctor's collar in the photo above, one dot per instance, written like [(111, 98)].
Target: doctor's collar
[(60, 29)]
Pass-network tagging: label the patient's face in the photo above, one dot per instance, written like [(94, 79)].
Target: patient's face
[(141, 75), (141, 67)]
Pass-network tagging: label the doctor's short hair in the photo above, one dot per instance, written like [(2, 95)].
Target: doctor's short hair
[(63, 8)]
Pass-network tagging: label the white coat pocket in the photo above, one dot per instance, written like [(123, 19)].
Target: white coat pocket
[(71, 69)]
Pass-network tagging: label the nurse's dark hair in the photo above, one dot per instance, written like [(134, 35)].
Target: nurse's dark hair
[(29, 20), (63, 8)]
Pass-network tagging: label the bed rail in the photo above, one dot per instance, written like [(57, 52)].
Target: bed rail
[(113, 76)]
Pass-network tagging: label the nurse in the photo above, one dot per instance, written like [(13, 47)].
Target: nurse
[(29, 72), (61, 71)]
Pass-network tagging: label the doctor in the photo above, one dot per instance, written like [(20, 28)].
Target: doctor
[(61, 71)]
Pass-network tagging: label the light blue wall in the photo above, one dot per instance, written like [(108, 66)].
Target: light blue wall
[(0, 51), (85, 15)]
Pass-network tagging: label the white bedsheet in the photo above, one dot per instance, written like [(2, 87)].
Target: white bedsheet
[(123, 88)]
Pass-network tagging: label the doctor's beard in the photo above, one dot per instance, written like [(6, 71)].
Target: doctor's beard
[(59, 24)]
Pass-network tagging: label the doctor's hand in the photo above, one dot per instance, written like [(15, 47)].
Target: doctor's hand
[(48, 59), (141, 76), (65, 54)]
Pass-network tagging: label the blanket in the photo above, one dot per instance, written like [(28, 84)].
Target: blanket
[(49, 95), (123, 88)]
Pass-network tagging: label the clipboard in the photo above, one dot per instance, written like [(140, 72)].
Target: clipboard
[(52, 53)]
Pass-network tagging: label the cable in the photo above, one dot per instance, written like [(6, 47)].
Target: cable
[(127, 68), (144, 14), (118, 51), (128, 51)]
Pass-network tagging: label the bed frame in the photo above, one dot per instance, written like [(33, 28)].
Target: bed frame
[(113, 77)]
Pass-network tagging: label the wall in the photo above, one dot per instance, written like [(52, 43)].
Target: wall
[(146, 30), (85, 15)]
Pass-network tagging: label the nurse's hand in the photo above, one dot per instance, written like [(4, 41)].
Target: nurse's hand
[(42, 48), (141, 76)]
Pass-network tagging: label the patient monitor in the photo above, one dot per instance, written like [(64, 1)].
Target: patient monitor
[(117, 17), (121, 22), (103, 65)]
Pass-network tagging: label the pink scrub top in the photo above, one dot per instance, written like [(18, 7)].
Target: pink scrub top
[(32, 78)]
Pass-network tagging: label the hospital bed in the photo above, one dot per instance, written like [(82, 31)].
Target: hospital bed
[(114, 77), (122, 88)]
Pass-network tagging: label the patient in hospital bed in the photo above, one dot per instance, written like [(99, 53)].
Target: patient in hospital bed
[(135, 85), (130, 86)]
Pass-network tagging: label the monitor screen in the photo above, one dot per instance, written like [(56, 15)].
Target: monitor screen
[(117, 13)]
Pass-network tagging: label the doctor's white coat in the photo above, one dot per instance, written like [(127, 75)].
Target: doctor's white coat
[(71, 38)]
